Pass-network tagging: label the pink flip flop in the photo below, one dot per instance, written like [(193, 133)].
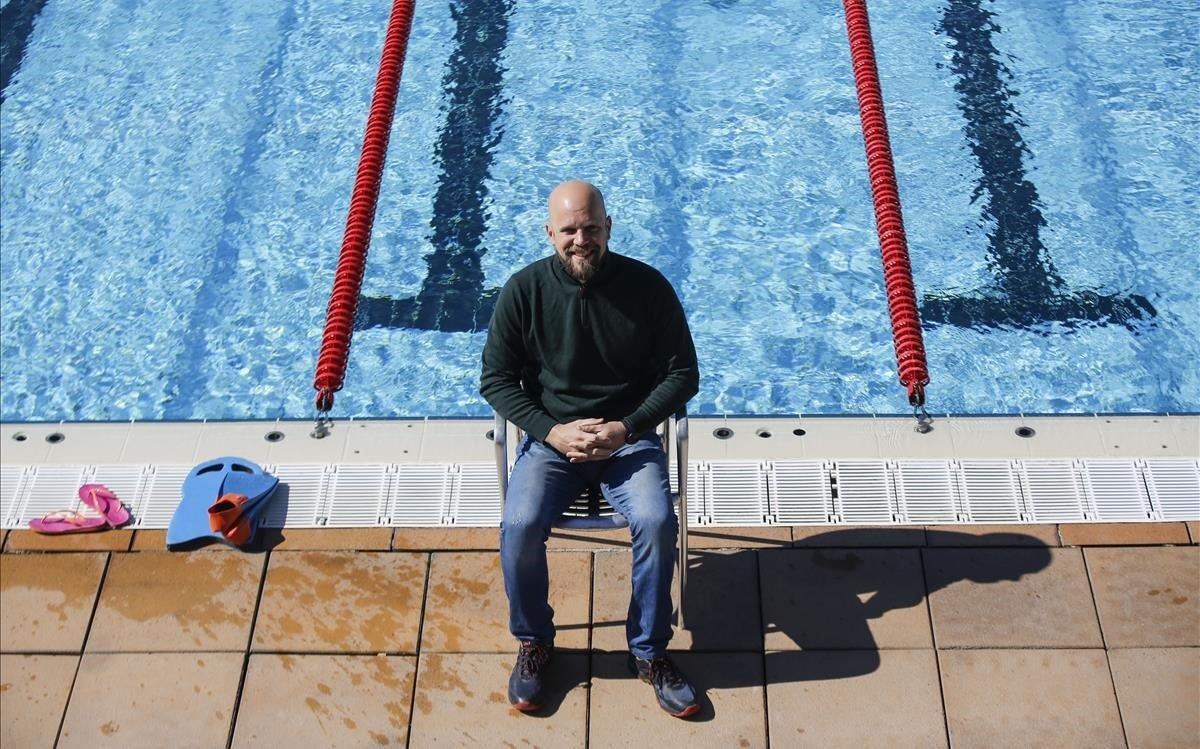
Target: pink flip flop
[(66, 521), (102, 500)]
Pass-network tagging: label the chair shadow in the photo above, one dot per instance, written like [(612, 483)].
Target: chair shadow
[(825, 618)]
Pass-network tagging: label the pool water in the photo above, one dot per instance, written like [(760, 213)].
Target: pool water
[(176, 180)]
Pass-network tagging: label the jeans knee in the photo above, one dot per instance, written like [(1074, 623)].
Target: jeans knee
[(660, 524), (520, 534)]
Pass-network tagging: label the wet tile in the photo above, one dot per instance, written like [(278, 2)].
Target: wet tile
[(457, 441), (857, 537), (160, 699), (46, 600), (328, 701), (884, 698), (384, 441), (624, 712), (156, 540), (461, 701), (444, 539), (1147, 597), (326, 539), (981, 437), (843, 598), (107, 540), (898, 438), (163, 442), (1158, 691), (156, 601), (88, 443), (341, 601), (719, 582), (1010, 598), (992, 535), (1123, 534), (1050, 698), (467, 610), (33, 695), (728, 537), (562, 539)]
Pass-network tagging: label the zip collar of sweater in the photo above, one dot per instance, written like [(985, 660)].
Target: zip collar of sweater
[(602, 274)]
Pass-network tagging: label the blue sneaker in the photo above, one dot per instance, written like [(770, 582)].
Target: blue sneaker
[(675, 694), (527, 682)]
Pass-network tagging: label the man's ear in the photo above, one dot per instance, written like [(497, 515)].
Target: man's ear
[(549, 233), (608, 226)]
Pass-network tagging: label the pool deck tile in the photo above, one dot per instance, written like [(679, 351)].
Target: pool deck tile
[(245, 439), (748, 444), (1123, 534), (466, 610), (564, 539), (1147, 597), (992, 535), (441, 539), (1141, 437), (1010, 598), (152, 699), (837, 438), (326, 539), (108, 540), (1158, 690), (898, 438), (1065, 437), (88, 443), (159, 601), (341, 601), (818, 599), (852, 699), (981, 437), (1051, 698), (723, 604), (33, 695), (457, 441), (1193, 529), (733, 537), (299, 446), (46, 600), (163, 443), (460, 701), (383, 441), (624, 712), (859, 537), (153, 539), (329, 701)]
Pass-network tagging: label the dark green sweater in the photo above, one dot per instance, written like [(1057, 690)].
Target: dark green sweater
[(617, 348)]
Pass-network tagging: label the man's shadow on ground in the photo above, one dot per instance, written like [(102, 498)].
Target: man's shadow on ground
[(821, 600)]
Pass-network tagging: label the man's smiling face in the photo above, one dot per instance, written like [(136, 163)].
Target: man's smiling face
[(578, 228)]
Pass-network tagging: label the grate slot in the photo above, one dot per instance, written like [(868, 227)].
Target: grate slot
[(301, 497), (12, 490), (799, 492), (927, 492), (358, 495), (865, 492), (161, 494), (1054, 492), (1116, 490), (420, 495), (475, 497), (991, 491), (735, 493), (1174, 486), (51, 488)]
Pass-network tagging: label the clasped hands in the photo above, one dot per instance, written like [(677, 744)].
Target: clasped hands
[(587, 439)]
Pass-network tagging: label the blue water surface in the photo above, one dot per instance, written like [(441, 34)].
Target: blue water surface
[(176, 179)]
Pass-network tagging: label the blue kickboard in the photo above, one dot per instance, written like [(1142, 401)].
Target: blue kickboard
[(205, 484)]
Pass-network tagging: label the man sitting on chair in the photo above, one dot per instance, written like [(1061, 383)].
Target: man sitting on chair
[(587, 352)]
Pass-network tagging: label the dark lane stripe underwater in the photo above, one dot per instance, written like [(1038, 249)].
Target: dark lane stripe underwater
[(16, 25), (452, 297), (1027, 290)]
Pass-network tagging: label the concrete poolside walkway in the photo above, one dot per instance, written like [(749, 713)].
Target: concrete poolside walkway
[(1073, 635)]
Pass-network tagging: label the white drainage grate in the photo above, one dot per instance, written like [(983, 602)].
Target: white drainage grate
[(1054, 492), (12, 486), (991, 491), (742, 489), (927, 491), (864, 492), (780, 492), (1116, 490), (1174, 487)]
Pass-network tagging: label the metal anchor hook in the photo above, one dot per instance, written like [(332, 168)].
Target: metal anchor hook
[(924, 420), (322, 427)]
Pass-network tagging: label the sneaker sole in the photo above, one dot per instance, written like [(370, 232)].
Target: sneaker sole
[(525, 707), (686, 712)]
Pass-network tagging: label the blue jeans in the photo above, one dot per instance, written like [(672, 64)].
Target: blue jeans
[(543, 484)]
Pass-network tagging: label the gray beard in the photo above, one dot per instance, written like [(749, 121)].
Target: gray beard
[(581, 275)]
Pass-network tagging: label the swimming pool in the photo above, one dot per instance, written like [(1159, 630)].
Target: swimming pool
[(175, 184)]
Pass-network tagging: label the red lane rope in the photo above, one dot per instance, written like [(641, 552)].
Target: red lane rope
[(893, 244), (339, 320)]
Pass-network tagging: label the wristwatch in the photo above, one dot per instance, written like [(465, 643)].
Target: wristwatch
[(630, 437)]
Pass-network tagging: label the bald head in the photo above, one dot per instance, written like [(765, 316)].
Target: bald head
[(578, 227)]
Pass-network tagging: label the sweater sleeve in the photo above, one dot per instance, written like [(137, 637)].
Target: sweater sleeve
[(504, 356), (682, 378)]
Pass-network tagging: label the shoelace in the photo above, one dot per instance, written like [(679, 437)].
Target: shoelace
[(663, 672), (531, 658)]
